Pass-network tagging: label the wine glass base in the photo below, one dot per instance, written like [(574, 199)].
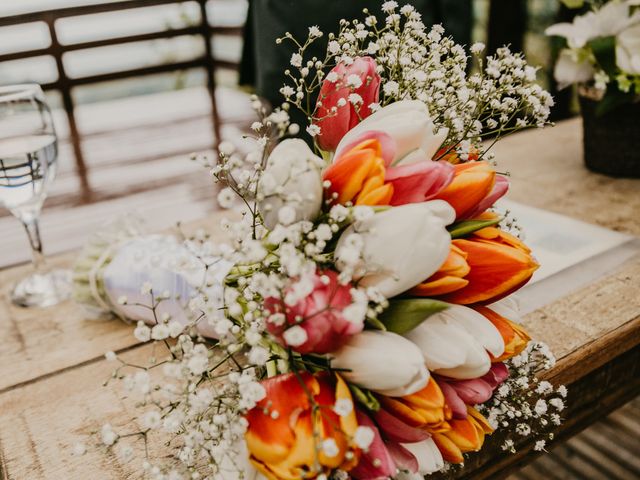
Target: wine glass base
[(43, 289)]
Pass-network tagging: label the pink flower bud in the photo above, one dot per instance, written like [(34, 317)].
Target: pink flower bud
[(317, 323)]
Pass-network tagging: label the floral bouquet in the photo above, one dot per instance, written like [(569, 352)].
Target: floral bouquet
[(602, 51), (358, 322), (602, 56)]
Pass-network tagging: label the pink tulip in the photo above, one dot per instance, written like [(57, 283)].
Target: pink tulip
[(353, 171), (318, 318), (376, 462), (472, 392), (361, 78), (453, 400), (498, 374), (459, 393), (396, 430), (403, 458), (418, 182)]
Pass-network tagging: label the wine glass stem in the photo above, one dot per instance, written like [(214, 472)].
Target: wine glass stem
[(33, 232)]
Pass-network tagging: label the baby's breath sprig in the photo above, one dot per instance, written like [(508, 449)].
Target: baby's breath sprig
[(524, 404), (420, 63)]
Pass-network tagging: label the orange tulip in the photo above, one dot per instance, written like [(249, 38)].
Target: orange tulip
[(464, 436), (475, 188), (286, 428), (514, 336), (472, 182), (425, 409), (449, 278), (498, 262), (358, 176)]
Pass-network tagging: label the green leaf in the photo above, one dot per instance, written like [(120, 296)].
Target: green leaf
[(573, 3), (613, 99), (376, 324), (467, 227), (604, 49), (365, 397), (405, 314)]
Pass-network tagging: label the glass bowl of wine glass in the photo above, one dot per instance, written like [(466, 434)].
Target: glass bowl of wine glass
[(28, 160)]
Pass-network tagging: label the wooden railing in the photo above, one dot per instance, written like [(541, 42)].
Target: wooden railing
[(65, 84)]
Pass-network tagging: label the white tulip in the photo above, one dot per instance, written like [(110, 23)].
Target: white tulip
[(568, 70), (408, 122), (508, 307), (428, 455), (383, 362), (455, 342), (628, 50), (400, 247), (292, 179)]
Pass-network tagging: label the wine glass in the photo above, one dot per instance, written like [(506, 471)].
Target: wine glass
[(28, 153)]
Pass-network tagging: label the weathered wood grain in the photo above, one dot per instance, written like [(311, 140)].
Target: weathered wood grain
[(40, 423), (547, 171), (39, 342)]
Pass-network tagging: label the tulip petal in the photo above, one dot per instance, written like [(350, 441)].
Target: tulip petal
[(508, 307), (335, 124), (350, 172), (417, 254), (500, 188), (477, 325), (498, 374), (472, 392), (515, 337), (407, 122), (473, 182), (387, 144), (383, 362), (457, 405), (403, 457), (397, 430), (418, 182), (448, 349), (429, 457), (270, 439), (449, 450), (498, 267), (377, 462)]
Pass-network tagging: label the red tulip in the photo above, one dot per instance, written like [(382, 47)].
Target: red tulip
[(318, 317), (286, 429), (361, 78)]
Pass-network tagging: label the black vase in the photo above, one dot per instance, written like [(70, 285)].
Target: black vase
[(612, 140)]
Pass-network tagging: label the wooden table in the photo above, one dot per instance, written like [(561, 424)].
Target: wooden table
[(52, 365)]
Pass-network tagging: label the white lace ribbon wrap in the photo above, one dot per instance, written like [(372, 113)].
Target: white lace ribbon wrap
[(171, 269)]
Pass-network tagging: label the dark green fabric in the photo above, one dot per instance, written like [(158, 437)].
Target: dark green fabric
[(264, 62)]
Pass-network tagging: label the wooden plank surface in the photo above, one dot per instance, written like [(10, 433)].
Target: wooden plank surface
[(52, 366), (137, 161)]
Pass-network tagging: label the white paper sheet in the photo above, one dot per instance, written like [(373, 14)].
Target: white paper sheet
[(571, 253)]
